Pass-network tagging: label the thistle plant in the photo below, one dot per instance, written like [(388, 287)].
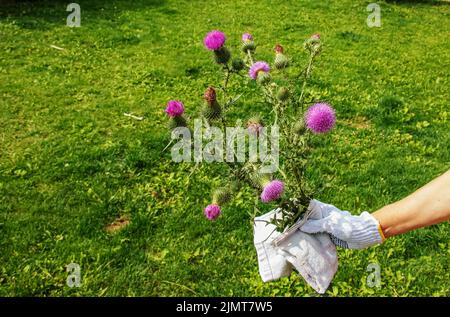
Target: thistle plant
[(282, 85), (175, 110)]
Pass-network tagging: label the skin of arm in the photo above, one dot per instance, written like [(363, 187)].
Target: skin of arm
[(428, 205)]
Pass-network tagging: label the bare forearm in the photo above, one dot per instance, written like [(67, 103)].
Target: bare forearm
[(427, 206)]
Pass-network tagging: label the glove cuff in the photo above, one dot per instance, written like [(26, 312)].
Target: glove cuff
[(367, 233)]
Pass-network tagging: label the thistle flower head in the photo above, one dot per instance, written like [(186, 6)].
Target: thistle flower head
[(320, 118), (281, 61), (313, 44), (247, 37), (247, 43), (210, 95), (212, 211), (272, 191), (212, 110), (174, 108), (258, 67), (214, 40)]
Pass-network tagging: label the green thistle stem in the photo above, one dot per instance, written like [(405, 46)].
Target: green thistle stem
[(249, 54), (226, 80), (307, 73)]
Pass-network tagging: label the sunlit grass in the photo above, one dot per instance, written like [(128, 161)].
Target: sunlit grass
[(71, 163)]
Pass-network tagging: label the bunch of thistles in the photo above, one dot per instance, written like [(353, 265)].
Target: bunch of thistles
[(286, 99)]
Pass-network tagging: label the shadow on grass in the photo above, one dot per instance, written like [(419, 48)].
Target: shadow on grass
[(415, 2), (43, 15)]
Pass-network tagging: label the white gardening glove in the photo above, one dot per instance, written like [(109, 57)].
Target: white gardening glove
[(272, 265), (346, 230), (314, 256)]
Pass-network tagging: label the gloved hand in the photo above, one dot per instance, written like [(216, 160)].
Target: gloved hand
[(346, 230), (314, 256)]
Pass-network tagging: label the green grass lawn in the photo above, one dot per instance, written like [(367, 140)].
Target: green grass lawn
[(71, 162)]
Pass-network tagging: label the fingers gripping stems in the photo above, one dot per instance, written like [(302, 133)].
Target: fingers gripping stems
[(338, 242)]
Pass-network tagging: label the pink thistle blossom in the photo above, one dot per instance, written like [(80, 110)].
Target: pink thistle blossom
[(214, 40), (320, 118), (272, 191), (212, 211), (258, 67), (174, 108), (246, 37)]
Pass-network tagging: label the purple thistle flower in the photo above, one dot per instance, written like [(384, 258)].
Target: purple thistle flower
[(174, 108), (320, 118), (212, 211), (246, 37), (258, 67), (272, 191), (214, 40)]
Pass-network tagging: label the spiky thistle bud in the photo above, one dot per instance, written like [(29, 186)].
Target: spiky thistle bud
[(254, 125), (283, 94), (237, 64), (259, 180), (222, 195), (222, 55), (248, 46), (313, 44), (281, 61), (210, 95), (212, 109), (247, 43), (176, 122), (299, 127), (264, 78)]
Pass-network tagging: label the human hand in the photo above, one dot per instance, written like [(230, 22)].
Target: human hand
[(346, 230)]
